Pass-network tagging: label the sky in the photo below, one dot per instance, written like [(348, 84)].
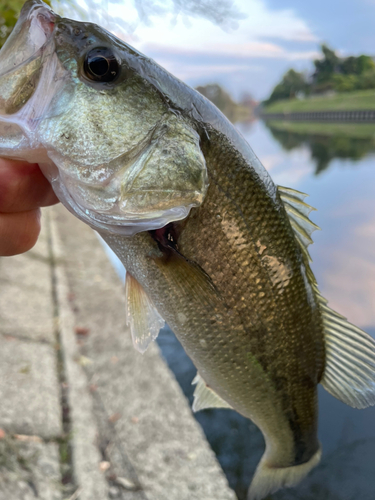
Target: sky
[(254, 47)]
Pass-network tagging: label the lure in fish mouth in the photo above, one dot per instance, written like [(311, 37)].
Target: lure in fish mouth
[(142, 167), (209, 243)]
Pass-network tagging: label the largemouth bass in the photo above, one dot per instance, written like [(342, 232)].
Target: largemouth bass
[(209, 243)]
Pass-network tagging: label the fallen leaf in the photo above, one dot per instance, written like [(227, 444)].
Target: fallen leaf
[(104, 466), (9, 338), (126, 483), (28, 439), (2, 434), (82, 330), (84, 361), (113, 418)]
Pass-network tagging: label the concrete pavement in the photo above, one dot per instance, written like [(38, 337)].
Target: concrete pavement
[(82, 414)]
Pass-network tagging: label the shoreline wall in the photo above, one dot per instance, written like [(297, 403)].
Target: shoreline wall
[(354, 116)]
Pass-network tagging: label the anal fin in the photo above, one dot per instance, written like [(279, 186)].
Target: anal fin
[(141, 315), (205, 397)]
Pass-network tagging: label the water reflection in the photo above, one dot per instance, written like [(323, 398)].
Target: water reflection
[(324, 147)]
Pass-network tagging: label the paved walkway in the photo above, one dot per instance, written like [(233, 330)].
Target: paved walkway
[(83, 416)]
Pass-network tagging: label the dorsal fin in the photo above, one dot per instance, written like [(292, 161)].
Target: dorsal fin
[(205, 397), (141, 315), (350, 352), (298, 212)]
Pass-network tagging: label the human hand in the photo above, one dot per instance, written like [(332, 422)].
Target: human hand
[(23, 190)]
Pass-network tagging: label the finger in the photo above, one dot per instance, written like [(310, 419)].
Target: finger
[(23, 187), (18, 232)]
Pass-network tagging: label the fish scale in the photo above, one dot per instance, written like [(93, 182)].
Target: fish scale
[(294, 325)]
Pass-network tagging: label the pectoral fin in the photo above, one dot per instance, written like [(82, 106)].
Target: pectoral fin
[(205, 397), (141, 315), (188, 278)]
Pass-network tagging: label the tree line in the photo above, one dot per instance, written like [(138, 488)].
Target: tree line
[(331, 73)]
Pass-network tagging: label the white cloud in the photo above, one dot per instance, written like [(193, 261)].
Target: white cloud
[(348, 276), (239, 51), (194, 34), (190, 71), (202, 35), (293, 164), (349, 282)]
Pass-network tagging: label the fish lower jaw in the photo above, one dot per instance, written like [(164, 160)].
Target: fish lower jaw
[(130, 224), (121, 223)]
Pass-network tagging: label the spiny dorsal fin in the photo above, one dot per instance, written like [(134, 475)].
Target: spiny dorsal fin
[(298, 212), (350, 353), (141, 315), (204, 397)]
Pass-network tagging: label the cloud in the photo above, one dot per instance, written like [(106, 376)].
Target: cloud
[(233, 66), (293, 164), (235, 50), (349, 283), (348, 278), (259, 23), (188, 72)]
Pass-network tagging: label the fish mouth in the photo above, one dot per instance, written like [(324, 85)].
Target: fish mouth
[(26, 72), (31, 33)]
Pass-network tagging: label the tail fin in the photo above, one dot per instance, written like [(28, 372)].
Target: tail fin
[(268, 479)]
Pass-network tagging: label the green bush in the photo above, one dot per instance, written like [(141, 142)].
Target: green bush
[(367, 80), (345, 83)]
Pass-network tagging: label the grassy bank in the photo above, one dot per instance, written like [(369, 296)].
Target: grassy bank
[(352, 130), (346, 101)]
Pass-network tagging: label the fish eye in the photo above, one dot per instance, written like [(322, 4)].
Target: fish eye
[(101, 65)]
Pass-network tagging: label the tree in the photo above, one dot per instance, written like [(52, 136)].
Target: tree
[(327, 66), (365, 63), (356, 65), (291, 84), (220, 98)]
